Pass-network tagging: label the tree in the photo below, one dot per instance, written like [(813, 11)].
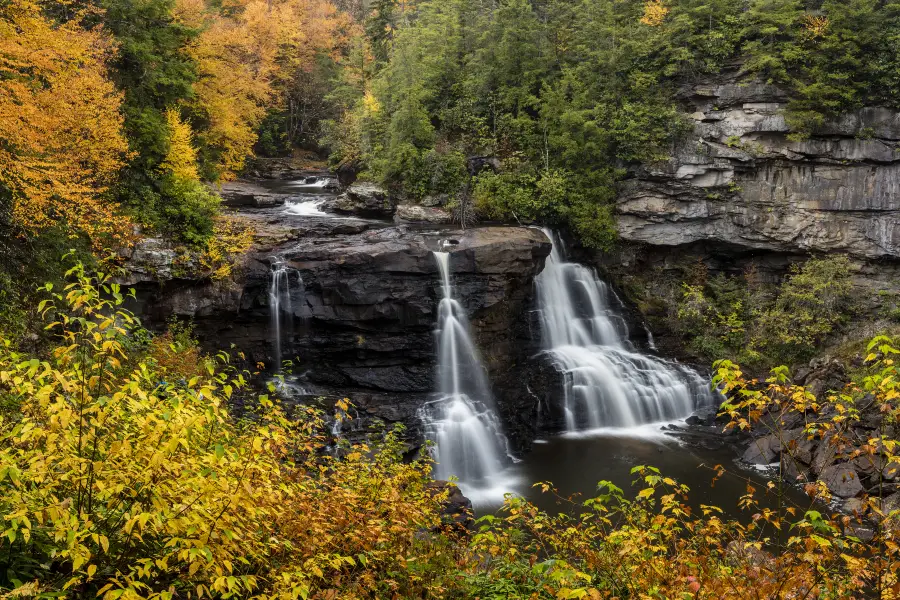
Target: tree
[(61, 132), (154, 71), (772, 28)]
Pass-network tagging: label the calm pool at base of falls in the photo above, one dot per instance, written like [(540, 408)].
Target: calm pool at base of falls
[(574, 463)]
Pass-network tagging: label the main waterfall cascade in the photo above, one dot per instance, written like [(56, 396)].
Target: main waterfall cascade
[(460, 420), (280, 308), (607, 383)]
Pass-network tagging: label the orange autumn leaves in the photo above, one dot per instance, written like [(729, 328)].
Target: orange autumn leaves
[(61, 138), (241, 60), (62, 142)]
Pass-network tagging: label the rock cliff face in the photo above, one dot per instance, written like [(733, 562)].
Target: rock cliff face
[(363, 301), (740, 183)]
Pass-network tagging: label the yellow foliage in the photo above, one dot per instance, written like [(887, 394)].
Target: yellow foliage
[(655, 12), (181, 159), (815, 26), (245, 47), (231, 238), (116, 482), (61, 137)]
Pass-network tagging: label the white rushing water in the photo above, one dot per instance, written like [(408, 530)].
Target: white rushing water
[(607, 382), (307, 208), (280, 309), (468, 441)]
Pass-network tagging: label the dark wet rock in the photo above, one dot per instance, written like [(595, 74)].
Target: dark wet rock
[(825, 375), (364, 200), (794, 470), (891, 471), (824, 455), (890, 503), (759, 452), (477, 164), (456, 509), (363, 310), (867, 464), (842, 480)]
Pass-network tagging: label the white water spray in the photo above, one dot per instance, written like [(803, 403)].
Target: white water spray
[(607, 383), (280, 308), (460, 421)]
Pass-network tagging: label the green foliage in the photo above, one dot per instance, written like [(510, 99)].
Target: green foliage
[(155, 72), (587, 87), (738, 317), (190, 215)]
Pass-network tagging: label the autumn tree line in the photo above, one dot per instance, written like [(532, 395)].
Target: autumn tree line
[(114, 112)]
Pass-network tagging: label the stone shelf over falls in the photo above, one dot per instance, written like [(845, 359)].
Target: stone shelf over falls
[(364, 318)]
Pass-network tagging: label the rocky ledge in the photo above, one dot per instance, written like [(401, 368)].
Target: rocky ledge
[(739, 180), (362, 306)]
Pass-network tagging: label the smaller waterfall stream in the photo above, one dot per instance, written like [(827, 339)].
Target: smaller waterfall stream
[(607, 383), (280, 308), (460, 420)]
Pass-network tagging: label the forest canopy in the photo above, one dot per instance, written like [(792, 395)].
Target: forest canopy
[(98, 99), (569, 95), (562, 98)]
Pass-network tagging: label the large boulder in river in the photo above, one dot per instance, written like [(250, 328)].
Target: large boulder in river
[(411, 213), (244, 194), (364, 200)]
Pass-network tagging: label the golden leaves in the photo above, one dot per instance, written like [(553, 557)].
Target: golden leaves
[(181, 159), (655, 12), (60, 124), (815, 26)]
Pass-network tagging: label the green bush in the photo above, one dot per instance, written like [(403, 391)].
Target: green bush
[(190, 209), (730, 316)]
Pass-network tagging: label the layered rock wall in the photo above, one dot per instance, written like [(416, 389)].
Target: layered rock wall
[(740, 181)]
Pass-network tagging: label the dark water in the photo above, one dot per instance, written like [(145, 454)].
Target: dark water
[(574, 464)]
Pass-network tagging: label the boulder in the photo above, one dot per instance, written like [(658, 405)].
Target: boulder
[(824, 455), (760, 451), (244, 194), (842, 480), (794, 470), (456, 509), (891, 471), (477, 164), (364, 200), (411, 213)]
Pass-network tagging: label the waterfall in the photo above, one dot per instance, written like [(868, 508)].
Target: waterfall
[(468, 442), (279, 304), (607, 382)]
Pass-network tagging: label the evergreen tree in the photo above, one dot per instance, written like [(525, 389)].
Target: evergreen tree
[(772, 26), (381, 27), (154, 71)]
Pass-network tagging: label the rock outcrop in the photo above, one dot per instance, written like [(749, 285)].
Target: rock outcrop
[(740, 182), (364, 200), (363, 299)]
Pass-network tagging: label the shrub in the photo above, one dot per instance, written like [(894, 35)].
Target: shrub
[(117, 483)]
